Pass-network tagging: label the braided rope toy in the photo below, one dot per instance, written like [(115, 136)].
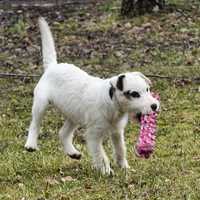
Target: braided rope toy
[(146, 141)]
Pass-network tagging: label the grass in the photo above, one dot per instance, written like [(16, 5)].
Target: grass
[(103, 49)]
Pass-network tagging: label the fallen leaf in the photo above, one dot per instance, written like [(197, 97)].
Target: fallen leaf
[(136, 30), (147, 25), (52, 181), (67, 179), (128, 25)]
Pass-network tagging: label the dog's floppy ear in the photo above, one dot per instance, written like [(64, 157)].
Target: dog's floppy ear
[(148, 81), (120, 82), (111, 91), (117, 82)]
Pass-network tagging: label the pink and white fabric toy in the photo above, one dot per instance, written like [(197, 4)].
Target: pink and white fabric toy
[(146, 141)]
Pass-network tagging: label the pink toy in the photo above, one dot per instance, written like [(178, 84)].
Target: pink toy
[(146, 141)]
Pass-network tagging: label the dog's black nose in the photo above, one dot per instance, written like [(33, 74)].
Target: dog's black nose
[(154, 107)]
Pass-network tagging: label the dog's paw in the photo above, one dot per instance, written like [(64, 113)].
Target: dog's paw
[(76, 156), (104, 168), (31, 147), (107, 171), (123, 164), (72, 152)]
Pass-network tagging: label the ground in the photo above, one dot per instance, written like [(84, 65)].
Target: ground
[(94, 37)]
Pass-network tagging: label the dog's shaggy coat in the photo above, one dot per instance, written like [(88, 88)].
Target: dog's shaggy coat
[(102, 106)]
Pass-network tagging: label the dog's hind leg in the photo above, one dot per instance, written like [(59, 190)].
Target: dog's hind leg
[(39, 106), (66, 137), (96, 150)]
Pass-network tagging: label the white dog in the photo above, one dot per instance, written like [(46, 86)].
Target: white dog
[(102, 106)]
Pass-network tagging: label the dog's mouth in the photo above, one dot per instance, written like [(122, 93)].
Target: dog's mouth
[(138, 116)]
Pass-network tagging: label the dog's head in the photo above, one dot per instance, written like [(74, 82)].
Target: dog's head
[(132, 93)]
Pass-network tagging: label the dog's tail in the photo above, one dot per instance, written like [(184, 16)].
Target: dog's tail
[(48, 46)]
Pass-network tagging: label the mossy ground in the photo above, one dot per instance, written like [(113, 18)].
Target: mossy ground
[(103, 44)]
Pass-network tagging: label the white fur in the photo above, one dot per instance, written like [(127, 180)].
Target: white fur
[(48, 47), (84, 100)]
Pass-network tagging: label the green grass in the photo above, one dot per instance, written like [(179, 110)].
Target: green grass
[(172, 173)]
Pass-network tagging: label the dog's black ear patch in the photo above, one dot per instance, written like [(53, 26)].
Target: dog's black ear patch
[(120, 84), (111, 91)]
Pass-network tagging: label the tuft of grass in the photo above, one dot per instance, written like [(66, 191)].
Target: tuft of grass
[(19, 28)]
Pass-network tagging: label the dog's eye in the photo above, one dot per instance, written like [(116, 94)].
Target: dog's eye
[(127, 94), (147, 89), (135, 94)]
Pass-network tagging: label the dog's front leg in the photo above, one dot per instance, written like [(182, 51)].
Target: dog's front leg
[(119, 147), (96, 150)]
